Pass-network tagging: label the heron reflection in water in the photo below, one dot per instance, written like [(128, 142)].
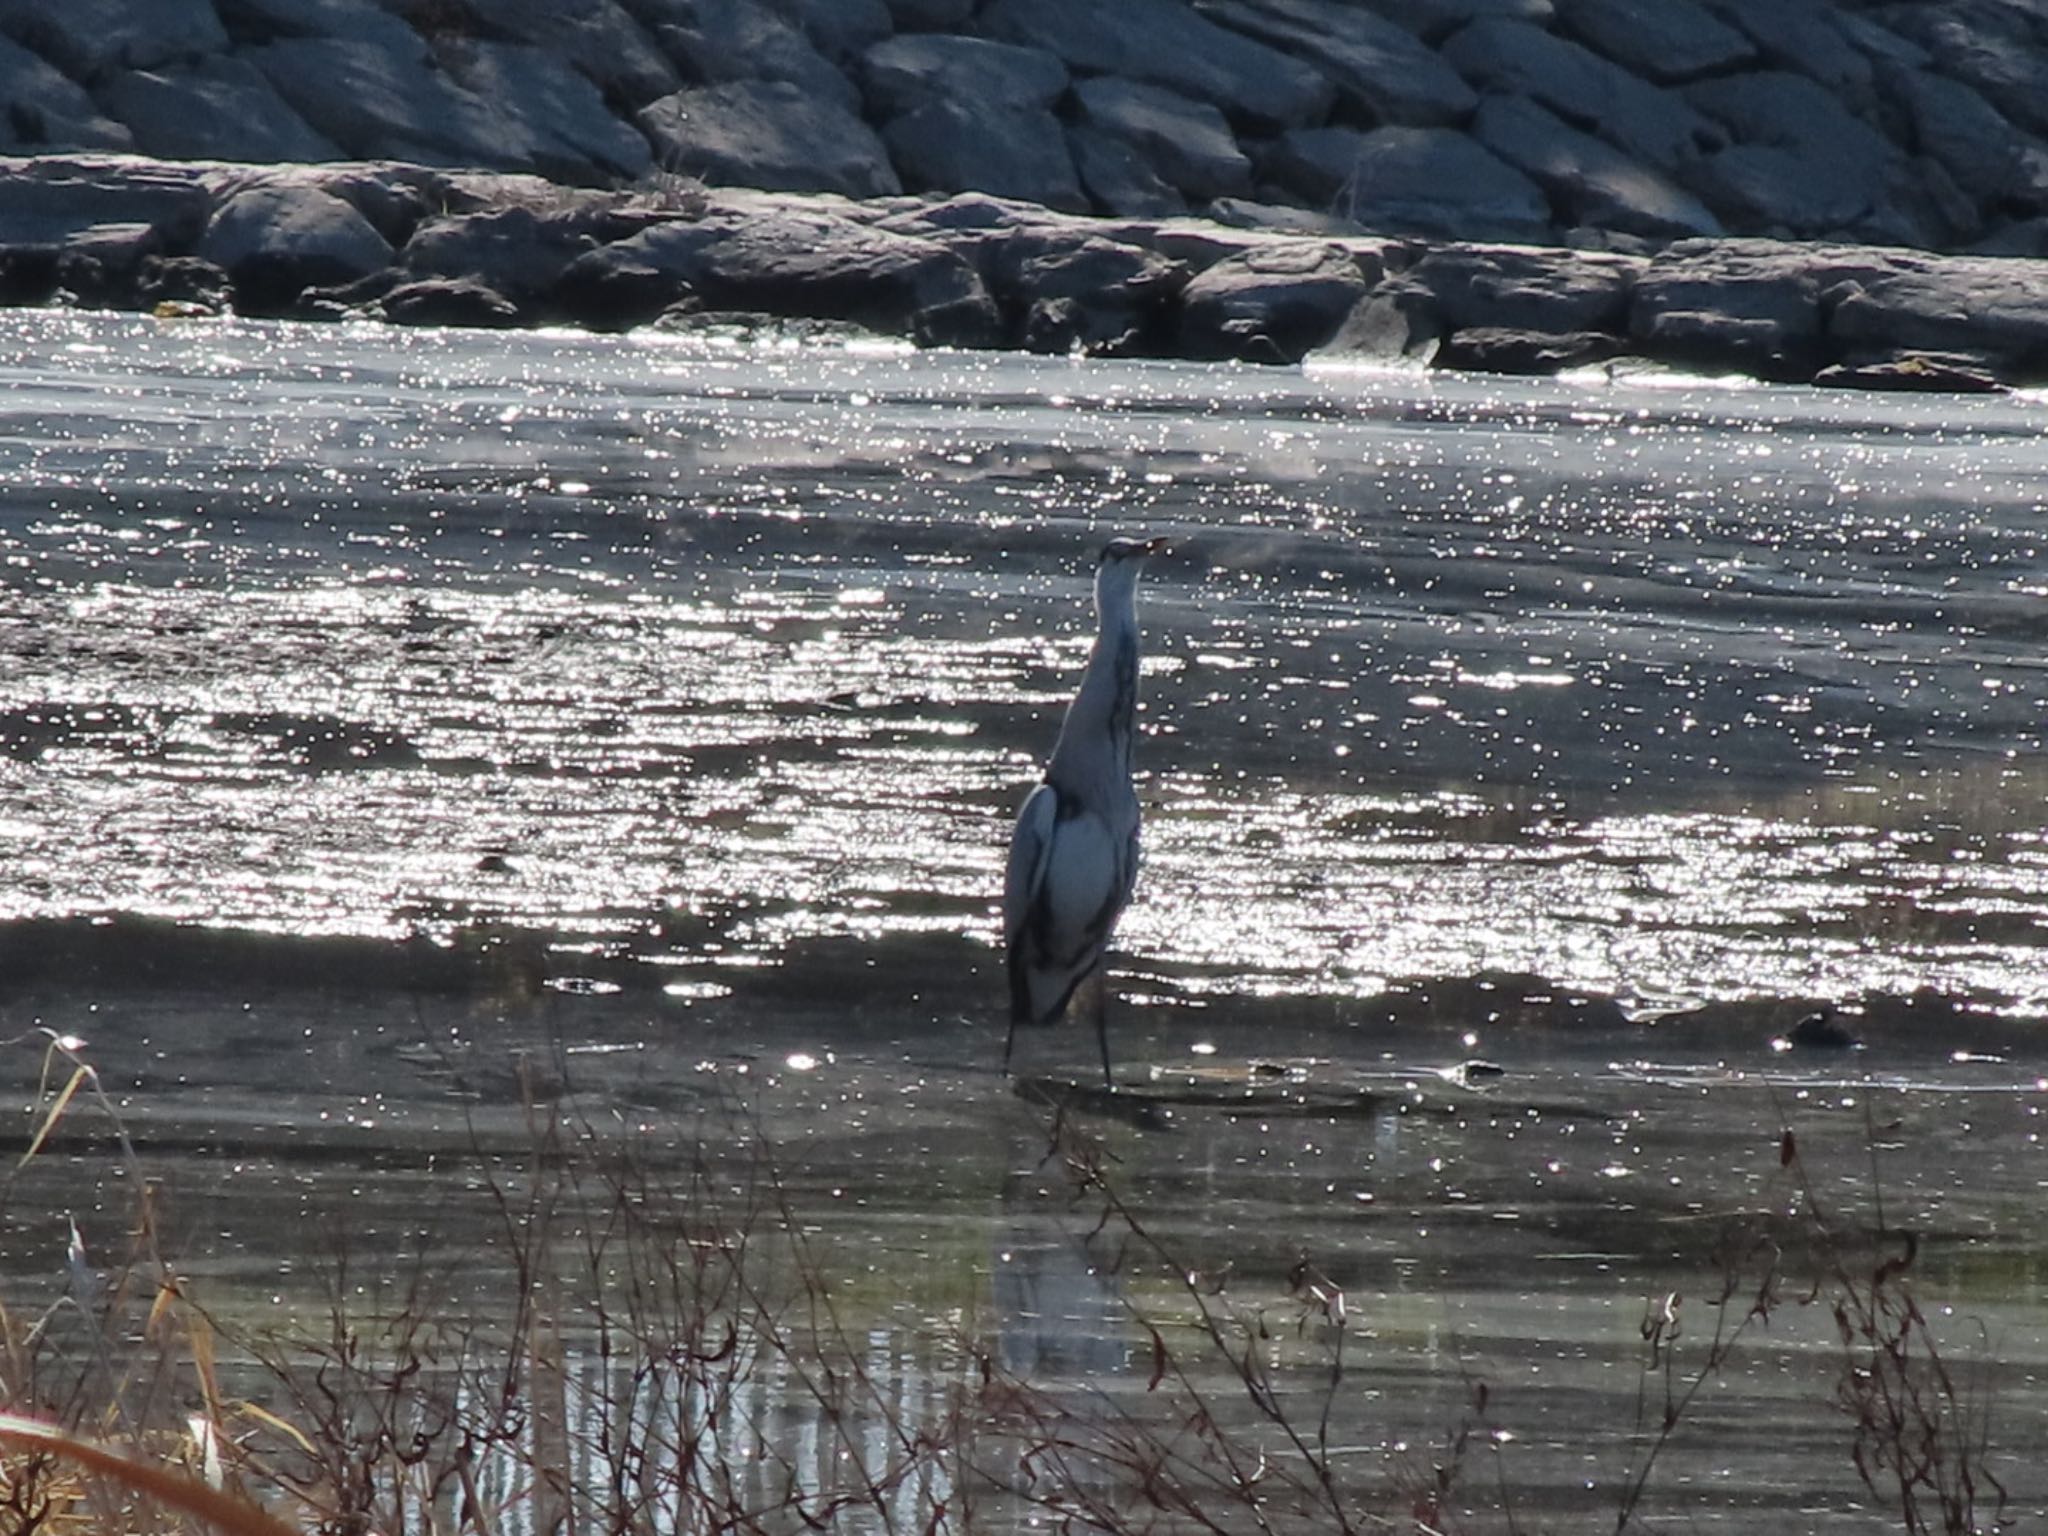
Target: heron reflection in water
[(1074, 855)]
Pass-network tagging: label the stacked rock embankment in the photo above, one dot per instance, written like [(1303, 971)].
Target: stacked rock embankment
[(1799, 189)]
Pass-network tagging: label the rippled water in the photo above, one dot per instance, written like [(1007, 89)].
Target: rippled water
[(675, 698)]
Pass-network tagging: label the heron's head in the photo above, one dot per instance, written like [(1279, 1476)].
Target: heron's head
[(1129, 551)]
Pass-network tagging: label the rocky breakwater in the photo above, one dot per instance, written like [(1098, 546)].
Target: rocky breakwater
[(1800, 189)]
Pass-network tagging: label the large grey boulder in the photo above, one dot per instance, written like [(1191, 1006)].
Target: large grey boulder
[(517, 251), (1378, 65), (1273, 303), (1088, 294), (1800, 162), (1956, 127), (89, 39), (1119, 179), (1669, 41), (1499, 349), (904, 72), (811, 263), (732, 40), (1642, 120), (1748, 305), (50, 199), (1988, 309), (598, 38), (458, 301), (574, 135), (219, 108), (1186, 143), (930, 15), (1589, 181), (1165, 42), (45, 110), (1423, 180), (769, 134), (1435, 20), (1999, 48), (265, 21), (1525, 289), (1803, 35), (278, 238), (379, 102), (842, 29), (1278, 218), (1008, 149)]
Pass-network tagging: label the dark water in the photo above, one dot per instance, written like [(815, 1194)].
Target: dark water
[(376, 705)]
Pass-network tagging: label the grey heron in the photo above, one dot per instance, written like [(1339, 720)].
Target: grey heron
[(1074, 854)]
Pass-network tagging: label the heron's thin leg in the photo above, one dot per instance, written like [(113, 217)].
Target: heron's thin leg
[(1098, 994)]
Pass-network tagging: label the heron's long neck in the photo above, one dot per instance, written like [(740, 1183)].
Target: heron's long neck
[(1095, 742)]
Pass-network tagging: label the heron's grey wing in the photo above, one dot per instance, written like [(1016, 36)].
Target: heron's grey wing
[(1030, 849)]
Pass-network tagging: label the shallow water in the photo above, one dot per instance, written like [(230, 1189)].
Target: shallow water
[(607, 693)]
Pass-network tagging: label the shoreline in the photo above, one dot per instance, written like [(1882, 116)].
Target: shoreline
[(106, 957), (408, 244)]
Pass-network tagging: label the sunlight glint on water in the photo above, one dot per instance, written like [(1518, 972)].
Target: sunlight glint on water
[(1669, 695)]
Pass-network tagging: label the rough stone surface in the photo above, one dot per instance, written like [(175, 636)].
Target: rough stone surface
[(1169, 44), (930, 15), (610, 290), (1430, 180), (1376, 64), (48, 200), (1748, 305), (768, 133), (1278, 218), (389, 103), (277, 238), (1270, 304), (1094, 296), (1009, 149), (1963, 306), (1435, 20), (448, 301), (1119, 179), (1187, 144), (1799, 161), (2000, 48), (737, 40), (1638, 118), (1668, 41), (576, 138), (597, 38), (214, 109), (1387, 326), (1916, 371), (1869, 129), (89, 39), (842, 29), (520, 252), (1803, 35), (1497, 349), (1961, 131), (264, 21), (1526, 289), (1588, 180), (903, 73), (817, 264), (44, 110)]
